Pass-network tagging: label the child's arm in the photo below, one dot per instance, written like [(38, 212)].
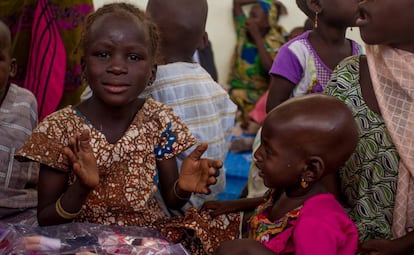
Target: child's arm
[(238, 6), (242, 247), (228, 206), (57, 202), (265, 58), (280, 90), (401, 246)]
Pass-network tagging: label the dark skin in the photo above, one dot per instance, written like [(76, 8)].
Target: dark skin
[(328, 40), (393, 32), (7, 63), (118, 44), (288, 142), (174, 22), (257, 26)]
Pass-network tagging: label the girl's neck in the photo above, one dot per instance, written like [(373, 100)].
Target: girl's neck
[(301, 193), (329, 35), (169, 57), (113, 122), (94, 107), (330, 45), (290, 200)]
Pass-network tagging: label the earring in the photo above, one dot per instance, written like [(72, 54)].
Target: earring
[(315, 25), (303, 183)]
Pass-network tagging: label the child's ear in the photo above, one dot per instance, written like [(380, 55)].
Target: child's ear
[(204, 41), (315, 169), (314, 5), (13, 68)]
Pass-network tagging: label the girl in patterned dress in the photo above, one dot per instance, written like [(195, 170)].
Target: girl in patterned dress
[(103, 160), (303, 139), (377, 181), (259, 37)]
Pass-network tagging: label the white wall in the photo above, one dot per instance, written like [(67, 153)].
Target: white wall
[(221, 31)]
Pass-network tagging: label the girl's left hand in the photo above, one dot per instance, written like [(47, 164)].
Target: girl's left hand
[(197, 173)]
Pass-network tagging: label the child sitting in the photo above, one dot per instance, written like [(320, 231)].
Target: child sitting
[(99, 158), (18, 117), (303, 139)]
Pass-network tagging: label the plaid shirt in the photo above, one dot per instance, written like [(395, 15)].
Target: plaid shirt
[(18, 117), (204, 106)]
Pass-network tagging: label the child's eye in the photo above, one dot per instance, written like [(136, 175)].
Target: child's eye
[(103, 54), (133, 57)]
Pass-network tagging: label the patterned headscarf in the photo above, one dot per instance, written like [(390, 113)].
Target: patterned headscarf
[(266, 5), (277, 34)]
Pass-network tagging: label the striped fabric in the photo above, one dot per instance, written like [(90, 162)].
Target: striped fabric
[(205, 108), (18, 117)]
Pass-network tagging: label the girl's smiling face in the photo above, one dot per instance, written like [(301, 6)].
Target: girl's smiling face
[(118, 63)]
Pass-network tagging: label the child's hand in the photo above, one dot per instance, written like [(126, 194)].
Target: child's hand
[(378, 247), (253, 30), (242, 247), (218, 207), (197, 173), (79, 153)]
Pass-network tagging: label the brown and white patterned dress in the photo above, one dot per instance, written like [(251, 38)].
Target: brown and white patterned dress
[(126, 193)]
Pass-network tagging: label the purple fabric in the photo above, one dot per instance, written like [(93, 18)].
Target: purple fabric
[(286, 63), (298, 62)]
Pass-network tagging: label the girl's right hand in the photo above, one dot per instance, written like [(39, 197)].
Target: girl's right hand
[(80, 155)]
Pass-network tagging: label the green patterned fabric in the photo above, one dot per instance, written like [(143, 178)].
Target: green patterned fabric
[(248, 80), (369, 178)]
